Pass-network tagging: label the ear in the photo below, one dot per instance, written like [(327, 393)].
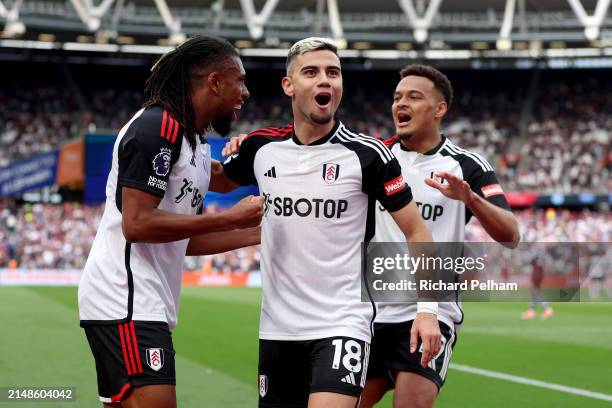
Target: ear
[(214, 82), (287, 86), (441, 109)]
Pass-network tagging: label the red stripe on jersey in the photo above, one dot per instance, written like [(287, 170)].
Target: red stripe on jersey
[(136, 349), (390, 141), (162, 131), (123, 349), (175, 133), (117, 398), (170, 128), (129, 347), (274, 132)]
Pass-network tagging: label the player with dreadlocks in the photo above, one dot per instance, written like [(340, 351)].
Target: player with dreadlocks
[(161, 170)]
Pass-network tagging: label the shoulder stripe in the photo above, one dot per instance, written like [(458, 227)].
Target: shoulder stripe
[(454, 150), (162, 131), (348, 136), (175, 133), (273, 132), (390, 141), (169, 127)]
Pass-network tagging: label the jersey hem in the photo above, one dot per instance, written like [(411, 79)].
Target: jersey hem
[(138, 318), (444, 319), (315, 336)]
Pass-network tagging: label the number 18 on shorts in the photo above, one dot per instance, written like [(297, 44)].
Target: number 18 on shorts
[(290, 370)]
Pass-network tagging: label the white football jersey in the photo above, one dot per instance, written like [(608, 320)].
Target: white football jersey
[(319, 208), (446, 218), (125, 281)]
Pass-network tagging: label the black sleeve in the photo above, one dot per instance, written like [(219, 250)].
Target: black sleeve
[(147, 152), (239, 167), (385, 182), (486, 185)]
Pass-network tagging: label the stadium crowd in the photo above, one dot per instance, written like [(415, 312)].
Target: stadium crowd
[(59, 236), (565, 149)]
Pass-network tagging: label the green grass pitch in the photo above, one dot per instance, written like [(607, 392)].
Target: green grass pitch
[(216, 344)]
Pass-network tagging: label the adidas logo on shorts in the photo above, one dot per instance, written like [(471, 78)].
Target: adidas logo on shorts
[(349, 379)]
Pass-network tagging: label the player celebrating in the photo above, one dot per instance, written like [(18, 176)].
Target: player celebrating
[(458, 184), (320, 182), (128, 294)]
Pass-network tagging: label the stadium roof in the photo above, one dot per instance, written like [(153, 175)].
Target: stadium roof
[(269, 26)]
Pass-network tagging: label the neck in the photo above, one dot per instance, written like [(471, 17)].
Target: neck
[(203, 112), (308, 131), (423, 142)]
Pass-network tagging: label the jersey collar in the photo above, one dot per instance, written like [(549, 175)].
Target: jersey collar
[(429, 152), (320, 141)]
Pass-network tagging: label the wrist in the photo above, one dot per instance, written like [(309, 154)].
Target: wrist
[(471, 198), (225, 221), (427, 307)]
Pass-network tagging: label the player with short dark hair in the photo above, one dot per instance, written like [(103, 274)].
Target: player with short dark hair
[(161, 169), (320, 181), (450, 185)]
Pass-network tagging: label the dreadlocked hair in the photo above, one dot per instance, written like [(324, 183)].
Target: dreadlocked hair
[(172, 76)]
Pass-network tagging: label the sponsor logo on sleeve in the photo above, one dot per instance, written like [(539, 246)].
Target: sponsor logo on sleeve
[(491, 190), (394, 186), (161, 162), (157, 183)]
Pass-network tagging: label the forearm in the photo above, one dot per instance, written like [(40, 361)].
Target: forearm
[(419, 244), (158, 226), (218, 242), (500, 224), (219, 182)]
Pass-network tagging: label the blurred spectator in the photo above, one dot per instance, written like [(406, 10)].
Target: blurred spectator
[(60, 236)]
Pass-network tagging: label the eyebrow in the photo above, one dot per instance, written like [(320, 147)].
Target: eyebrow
[(305, 67), (396, 93)]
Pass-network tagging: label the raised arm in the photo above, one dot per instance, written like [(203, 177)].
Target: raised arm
[(499, 222), (219, 182), (207, 244), (142, 221)]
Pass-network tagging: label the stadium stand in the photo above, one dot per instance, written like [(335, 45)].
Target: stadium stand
[(69, 231)]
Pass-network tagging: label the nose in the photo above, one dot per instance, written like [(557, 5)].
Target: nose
[(324, 81), (245, 93)]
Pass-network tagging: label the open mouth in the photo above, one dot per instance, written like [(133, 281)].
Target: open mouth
[(323, 99), (236, 109), (403, 119)]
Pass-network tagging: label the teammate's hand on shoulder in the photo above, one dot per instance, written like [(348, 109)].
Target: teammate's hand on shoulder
[(426, 327), (247, 212), (233, 146), (451, 186)]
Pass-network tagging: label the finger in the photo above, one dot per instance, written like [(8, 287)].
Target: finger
[(414, 340), (446, 175), (259, 200), (426, 354), (434, 184), (450, 178)]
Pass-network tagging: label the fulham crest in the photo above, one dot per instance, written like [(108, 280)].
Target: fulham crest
[(330, 172), (155, 358), (263, 385)]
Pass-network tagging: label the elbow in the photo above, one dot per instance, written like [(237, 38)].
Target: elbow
[(131, 231), (513, 239)]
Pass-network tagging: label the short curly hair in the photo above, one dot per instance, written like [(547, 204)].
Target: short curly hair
[(440, 81)]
